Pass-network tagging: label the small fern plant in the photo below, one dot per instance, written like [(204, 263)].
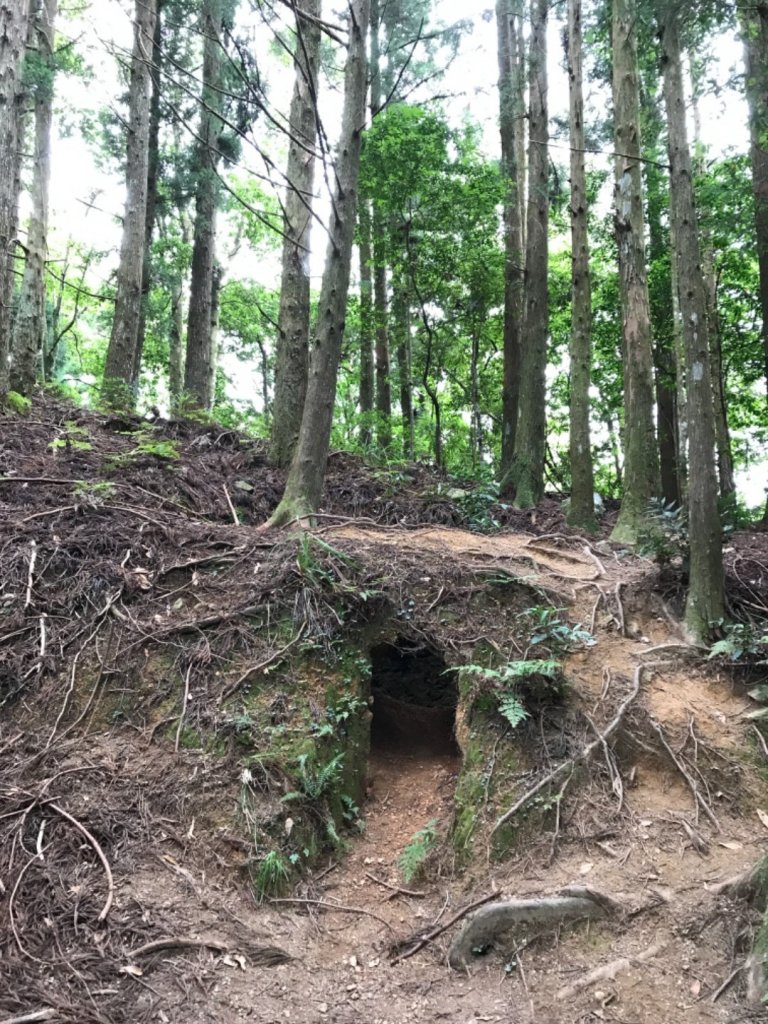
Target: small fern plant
[(413, 858), (517, 680), (315, 781)]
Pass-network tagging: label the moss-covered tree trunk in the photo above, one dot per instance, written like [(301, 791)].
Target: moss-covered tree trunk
[(198, 370), (706, 596), (30, 327), (121, 352), (641, 461), (582, 509), (525, 479), (512, 129), (291, 364), (304, 486)]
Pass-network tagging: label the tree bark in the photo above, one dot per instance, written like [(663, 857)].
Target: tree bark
[(401, 329), (13, 35), (641, 462), (754, 29), (722, 432), (383, 385), (30, 327), (582, 508), (121, 353), (706, 598), (198, 391), (153, 168), (512, 130), (525, 479), (367, 366), (304, 486), (176, 345), (291, 365)]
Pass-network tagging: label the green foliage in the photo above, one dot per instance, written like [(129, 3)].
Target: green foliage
[(743, 642), (665, 537), (517, 684), (272, 875), (72, 439), (94, 492), (550, 631), (414, 857), (17, 404), (315, 782)]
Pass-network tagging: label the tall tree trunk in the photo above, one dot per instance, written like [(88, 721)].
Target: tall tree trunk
[(512, 129), (121, 353), (176, 345), (641, 461), (153, 167), (366, 325), (383, 385), (663, 308), (754, 30), (401, 330), (304, 486), (582, 510), (722, 432), (13, 35), (31, 327), (293, 320), (200, 357), (706, 598), (525, 479)]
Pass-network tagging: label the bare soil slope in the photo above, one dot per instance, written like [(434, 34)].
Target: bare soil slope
[(133, 615)]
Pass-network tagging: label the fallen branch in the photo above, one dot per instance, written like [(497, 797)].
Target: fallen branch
[(417, 942), (184, 702), (727, 983), (264, 956), (99, 853), (395, 889), (583, 758), (231, 506), (29, 1018), (233, 687), (609, 971), (497, 918), (340, 907)]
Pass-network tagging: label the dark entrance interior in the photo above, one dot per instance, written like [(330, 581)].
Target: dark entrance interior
[(414, 700)]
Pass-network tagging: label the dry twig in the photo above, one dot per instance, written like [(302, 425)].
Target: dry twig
[(99, 853)]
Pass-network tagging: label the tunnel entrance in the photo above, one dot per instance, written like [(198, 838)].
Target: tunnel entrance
[(414, 700)]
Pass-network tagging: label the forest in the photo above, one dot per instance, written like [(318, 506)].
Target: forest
[(383, 511)]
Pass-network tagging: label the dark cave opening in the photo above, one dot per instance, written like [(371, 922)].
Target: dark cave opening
[(414, 700)]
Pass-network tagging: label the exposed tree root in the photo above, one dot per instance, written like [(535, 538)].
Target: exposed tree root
[(607, 972), (496, 918), (584, 757)]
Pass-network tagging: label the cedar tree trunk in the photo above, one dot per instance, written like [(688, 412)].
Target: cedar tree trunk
[(582, 510), (13, 35), (121, 353), (525, 479), (304, 486), (31, 328), (291, 362), (706, 598), (641, 460)]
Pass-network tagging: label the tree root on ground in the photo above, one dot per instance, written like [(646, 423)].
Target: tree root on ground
[(607, 972), (752, 886), (574, 904)]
